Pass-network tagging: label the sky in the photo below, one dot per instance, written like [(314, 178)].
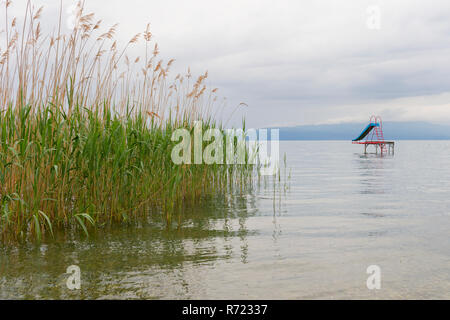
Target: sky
[(300, 62)]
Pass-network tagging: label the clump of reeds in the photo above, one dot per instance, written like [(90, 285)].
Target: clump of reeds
[(85, 131)]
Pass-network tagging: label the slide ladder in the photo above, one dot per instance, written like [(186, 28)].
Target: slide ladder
[(378, 132)]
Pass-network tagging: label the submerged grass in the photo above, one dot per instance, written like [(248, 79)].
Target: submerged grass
[(86, 140)]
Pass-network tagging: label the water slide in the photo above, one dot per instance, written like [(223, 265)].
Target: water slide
[(367, 130)]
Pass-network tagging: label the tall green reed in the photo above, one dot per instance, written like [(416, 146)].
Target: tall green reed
[(85, 131)]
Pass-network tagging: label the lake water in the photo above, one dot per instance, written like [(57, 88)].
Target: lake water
[(342, 212)]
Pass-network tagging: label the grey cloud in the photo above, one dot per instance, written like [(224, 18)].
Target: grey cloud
[(300, 61)]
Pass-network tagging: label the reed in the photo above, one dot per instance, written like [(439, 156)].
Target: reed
[(85, 130)]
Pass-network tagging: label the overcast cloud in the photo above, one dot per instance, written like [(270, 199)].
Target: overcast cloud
[(301, 62)]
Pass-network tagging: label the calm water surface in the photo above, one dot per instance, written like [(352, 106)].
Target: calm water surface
[(342, 212)]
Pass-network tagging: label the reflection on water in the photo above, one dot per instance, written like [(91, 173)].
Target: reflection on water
[(140, 261), (342, 212), (374, 170)]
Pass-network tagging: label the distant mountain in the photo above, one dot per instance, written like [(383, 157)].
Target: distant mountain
[(349, 131)]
